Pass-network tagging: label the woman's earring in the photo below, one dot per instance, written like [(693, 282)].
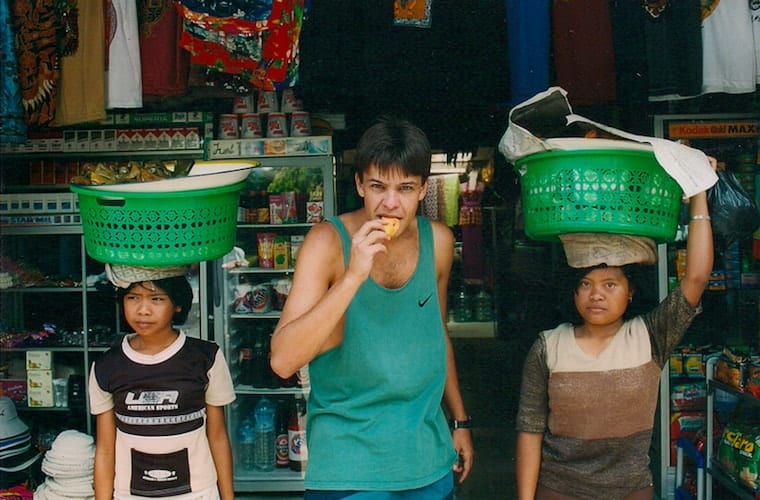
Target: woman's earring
[(630, 299)]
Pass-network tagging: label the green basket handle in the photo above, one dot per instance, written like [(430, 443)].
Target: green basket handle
[(111, 202)]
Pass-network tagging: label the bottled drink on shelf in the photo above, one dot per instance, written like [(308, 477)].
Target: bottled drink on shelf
[(246, 444), (264, 453), (273, 380), (462, 309), (483, 306), (298, 454), (281, 438), (260, 362), (245, 364)]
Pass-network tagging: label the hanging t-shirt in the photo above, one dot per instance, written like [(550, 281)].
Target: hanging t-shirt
[(673, 49), (82, 91), (584, 61), (165, 65), (124, 74), (729, 47)]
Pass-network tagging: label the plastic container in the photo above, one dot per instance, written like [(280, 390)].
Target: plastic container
[(623, 191), (159, 229), (246, 444), (264, 447)]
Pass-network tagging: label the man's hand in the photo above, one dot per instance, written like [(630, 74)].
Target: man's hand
[(463, 444)]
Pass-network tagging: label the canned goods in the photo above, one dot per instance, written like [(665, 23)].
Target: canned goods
[(261, 298), (289, 101), (228, 126), (244, 104), (267, 101), (276, 126), (300, 124), (250, 125)]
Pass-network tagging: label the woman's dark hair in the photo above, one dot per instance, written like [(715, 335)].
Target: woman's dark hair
[(177, 288), (636, 275)]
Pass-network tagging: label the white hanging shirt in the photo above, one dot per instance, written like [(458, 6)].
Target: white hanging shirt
[(729, 48), (123, 73)]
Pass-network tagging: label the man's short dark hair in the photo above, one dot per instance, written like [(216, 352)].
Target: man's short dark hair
[(393, 143)]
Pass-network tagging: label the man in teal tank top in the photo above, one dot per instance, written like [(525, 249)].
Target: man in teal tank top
[(367, 313)]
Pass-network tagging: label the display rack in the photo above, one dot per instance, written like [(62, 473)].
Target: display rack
[(233, 328)]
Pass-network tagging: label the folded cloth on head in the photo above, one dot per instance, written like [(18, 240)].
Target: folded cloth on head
[(548, 114), (592, 249), (123, 276)]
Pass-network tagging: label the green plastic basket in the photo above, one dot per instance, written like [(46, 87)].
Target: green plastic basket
[(160, 228), (598, 191)]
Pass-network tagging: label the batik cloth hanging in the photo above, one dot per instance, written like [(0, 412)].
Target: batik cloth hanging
[(35, 24), (12, 124), (261, 50)]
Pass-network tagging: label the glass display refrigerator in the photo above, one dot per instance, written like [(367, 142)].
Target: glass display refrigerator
[(283, 199), (730, 302)]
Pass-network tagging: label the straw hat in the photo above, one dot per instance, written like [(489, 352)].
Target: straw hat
[(16, 450)]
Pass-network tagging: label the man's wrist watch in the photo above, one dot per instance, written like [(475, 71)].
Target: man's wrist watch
[(460, 424)]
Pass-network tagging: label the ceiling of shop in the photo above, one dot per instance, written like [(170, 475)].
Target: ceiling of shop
[(451, 79)]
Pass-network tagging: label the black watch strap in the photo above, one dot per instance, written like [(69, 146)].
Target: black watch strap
[(461, 424)]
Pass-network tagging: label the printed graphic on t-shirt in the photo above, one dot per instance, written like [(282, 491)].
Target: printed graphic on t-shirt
[(160, 475)]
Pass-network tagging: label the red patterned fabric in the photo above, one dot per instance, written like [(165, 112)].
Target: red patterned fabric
[(265, 53)]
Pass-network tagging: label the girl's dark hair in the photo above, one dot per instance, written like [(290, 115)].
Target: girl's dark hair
[(177, 288)]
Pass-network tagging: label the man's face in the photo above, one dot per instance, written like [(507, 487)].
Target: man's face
[(391, 194)]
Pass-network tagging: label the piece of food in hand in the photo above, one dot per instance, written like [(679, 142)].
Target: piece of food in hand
[(391, 226)]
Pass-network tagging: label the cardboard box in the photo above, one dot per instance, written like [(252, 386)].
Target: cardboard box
[(41, 398), (39, 379), (39, 360), (15, 389)]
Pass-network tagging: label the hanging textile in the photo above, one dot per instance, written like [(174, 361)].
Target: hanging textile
[(260, 51), (82, 89), (729, 47), (581, 28), (414, 13), (471, 223), (123, 71), (12, 124), (35, 26), (673, 48), (165, 65)]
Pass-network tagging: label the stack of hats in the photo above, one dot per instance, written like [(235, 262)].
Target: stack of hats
[(16, 451), (68, 465)]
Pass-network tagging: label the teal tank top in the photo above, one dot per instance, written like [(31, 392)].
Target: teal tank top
[(374, 415)]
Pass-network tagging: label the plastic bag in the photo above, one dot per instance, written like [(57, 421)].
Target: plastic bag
[(733, 211)]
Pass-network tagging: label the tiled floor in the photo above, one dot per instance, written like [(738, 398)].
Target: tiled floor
[(489, 377)]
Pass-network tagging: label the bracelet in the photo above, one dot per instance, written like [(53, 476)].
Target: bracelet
[(700, 217), (460, 424)]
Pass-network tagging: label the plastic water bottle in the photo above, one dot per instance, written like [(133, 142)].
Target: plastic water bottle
[(246, 445), (264, 452)]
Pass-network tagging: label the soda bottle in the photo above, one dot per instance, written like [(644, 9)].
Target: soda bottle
[(483, 306), (245, 364), (298, 454), (281, 438), (263, 455), (273, 381), (247, 439), (260, 362)]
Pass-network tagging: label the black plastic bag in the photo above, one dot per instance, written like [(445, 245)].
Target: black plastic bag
[(733, 211)]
